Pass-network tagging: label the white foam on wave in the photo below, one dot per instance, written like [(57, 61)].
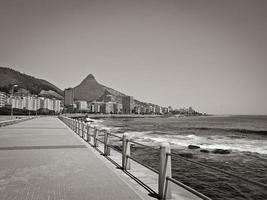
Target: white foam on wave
[(211, 142), (183, 140), (138, 134), (99, 124), (257, 146)]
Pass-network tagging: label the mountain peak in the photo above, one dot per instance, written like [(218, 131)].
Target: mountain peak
[(90, 77)]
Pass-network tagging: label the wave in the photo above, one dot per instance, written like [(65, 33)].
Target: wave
[(262, 132), (206, 142)]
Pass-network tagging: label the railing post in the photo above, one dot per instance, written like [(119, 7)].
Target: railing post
[(77, 127), (95, 137), (126, 151), (106, 143), (88, 134), (82, 130), (164, 188)]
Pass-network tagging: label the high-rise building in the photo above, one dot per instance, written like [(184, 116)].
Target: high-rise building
[(137, 110), (127, 104), (56, 105), (82, 105), (29, 103), (108, 107), (69, 96), (96, 107), (170, 109), (165, 110), (36, 103), (3, 99), (158, 110), (142, 110), (46, 103), (117, 108), (190, 110)]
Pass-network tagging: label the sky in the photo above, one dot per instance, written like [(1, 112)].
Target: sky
[(208, 54)]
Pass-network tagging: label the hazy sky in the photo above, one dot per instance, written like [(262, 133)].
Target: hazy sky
[(209, 54)]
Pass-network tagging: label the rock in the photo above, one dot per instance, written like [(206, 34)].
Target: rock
[(186, 155), (204, 151), (193, 147), (221, 151)]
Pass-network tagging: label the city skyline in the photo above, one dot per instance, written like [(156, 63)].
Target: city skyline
[(210, 55)]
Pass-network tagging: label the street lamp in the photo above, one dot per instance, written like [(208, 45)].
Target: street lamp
[(12, 91)]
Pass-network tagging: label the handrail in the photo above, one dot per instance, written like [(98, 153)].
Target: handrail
[(75, 125), (143, 145), (220, 170), (100, 141), (112, 147), (116, 136), (202, 196), (143, 164)]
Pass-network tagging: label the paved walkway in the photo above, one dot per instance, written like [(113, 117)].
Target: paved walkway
[(42, 159)]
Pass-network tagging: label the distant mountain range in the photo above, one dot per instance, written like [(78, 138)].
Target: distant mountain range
[(9, 77), (89, 89)]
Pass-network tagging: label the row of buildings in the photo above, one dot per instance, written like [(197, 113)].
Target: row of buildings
[(109, 104), (29, 102), (117, 108)]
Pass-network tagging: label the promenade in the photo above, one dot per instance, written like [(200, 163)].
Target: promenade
[(43, 159)]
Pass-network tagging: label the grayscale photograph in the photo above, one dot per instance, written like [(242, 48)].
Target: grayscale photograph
[(133, 99)]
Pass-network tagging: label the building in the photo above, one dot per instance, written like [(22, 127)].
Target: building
[(117, 108), (127, 104), (109, 107), (56, 105), (137, 110), (165, 110), (68, 96), (150, 110), (29, 103), (82, 105), (191, 110), (170, 109), (142, 110), (96, 107), (48, 104), (34, 103), (158, 110), (3, 99)]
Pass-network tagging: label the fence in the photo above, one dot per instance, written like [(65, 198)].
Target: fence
[(94, 136)]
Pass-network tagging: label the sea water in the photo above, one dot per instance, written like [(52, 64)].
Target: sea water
[(244, 136)]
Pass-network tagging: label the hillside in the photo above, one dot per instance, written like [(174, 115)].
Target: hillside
[(9, 77), (89, 90)]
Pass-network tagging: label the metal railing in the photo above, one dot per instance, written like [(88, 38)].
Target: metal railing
[(89, 134)]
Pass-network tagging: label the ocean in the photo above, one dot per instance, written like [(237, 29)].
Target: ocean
[(244, 136)]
